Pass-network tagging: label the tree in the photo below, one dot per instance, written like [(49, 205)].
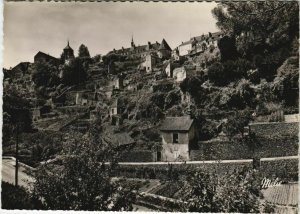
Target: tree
[(16, 197), (74, 73), (97, 58), (261, 29), (45, 74), (229, 71), (237, 122), (237, 191), (227, 48), (83, 51), (84, 180), (15, 111)]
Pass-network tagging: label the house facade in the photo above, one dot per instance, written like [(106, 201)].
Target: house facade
[(177, 133), (170, 67), (114, 108), (140, 51), (199, 44), (150, 63)]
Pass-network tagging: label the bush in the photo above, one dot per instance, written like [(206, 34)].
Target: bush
[(229, 71), (75, 72), (16, 197)]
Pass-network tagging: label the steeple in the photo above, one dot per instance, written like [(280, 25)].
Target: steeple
[(68, 52), (132, 42)]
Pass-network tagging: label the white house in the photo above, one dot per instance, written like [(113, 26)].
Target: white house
[(177, 134)]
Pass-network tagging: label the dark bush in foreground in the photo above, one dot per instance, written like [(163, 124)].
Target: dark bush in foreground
[(17, 198)]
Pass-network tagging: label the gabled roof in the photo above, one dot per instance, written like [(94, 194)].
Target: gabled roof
[(177, 124), (45, 55), (164, 46)]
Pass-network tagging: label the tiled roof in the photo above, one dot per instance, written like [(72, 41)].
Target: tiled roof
[(138, 49), (164, 46), (201, 38), (46, 55), (177, 124)]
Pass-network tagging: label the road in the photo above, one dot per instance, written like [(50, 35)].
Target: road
[(8, 173)]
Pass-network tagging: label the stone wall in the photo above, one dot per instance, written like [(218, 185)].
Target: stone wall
[(175, 152), (285, 169), (221, 151), (138, 156), (268, 140), (274, 130)]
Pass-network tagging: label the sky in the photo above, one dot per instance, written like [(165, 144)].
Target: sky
[(30, 27)]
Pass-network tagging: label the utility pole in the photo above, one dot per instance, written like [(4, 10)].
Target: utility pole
[(17, 156)]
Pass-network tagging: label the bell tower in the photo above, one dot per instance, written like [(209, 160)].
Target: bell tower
[(132, 42)]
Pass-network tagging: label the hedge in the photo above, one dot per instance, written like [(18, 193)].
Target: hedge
[(175, 171), (286, 170), (229, 150)]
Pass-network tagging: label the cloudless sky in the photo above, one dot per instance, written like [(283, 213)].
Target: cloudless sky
[(30, 27)]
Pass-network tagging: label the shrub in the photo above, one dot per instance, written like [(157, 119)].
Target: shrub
[(16, 197)]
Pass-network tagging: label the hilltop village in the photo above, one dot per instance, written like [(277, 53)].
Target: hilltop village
[(145, 98), (208, 125)]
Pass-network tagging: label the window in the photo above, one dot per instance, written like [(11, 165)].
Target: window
[(112, 111), (175, 137)]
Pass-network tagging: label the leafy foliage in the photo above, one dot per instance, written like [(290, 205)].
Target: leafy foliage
[(83, 51), (16, 197), (237, 122), (16, 116), (263, 30), (235, 192), (74, 73), (84, 180), (45, 74), (229, 71)]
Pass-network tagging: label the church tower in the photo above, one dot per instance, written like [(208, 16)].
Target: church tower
[(132, 43), (68, 53)]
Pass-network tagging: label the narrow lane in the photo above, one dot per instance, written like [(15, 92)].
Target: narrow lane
[(8, 173)]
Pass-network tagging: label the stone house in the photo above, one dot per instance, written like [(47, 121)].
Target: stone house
[(198, 44), (164, 51), (36, 114), (115, 108), (175, 54), (185, 97), (45, 58), (150, 62), (85, 98), (170, 67), (181, 73), (177, 134), (19, 70), (140, 51)]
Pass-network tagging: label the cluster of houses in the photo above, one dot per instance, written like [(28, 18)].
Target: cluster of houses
[(178, 133)]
